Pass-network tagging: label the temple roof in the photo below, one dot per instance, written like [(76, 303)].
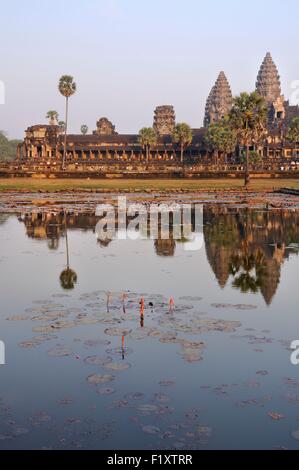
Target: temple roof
[(198, 135), (268, 80), (219, 101)]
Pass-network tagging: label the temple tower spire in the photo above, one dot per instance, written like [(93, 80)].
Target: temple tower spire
[(268, 85), (219, 102)]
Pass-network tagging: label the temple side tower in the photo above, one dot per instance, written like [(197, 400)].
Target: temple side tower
[(105, 127), (164, 120), (268, 85), (219, 102)]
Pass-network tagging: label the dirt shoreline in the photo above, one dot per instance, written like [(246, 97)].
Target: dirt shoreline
[(86, 201)]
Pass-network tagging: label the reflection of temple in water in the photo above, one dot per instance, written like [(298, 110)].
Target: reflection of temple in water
[(246, 246), (250, 246)]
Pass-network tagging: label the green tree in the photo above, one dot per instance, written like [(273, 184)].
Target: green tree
[(221, 137), (8, 148), (248, 118), (53, 117), (254, 157), (147, 138), (293, 131), (84, 129), (182, 135), (67, 88)]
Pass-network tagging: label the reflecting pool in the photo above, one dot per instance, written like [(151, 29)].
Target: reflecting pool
[(144, 344)]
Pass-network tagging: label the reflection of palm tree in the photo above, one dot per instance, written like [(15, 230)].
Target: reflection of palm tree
[(245, 265), (68, 277)]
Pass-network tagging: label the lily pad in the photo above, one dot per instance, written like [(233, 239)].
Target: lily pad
[(59, 352), (135, 396), (97, 360), (18, 318), (166, 383), (117, 366), (151, 430), (147, 410), (29, 344), (92, 343), (117, 331), (96, 379)]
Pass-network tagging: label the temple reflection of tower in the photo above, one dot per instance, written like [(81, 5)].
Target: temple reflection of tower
[(250, 247), (244, 246)]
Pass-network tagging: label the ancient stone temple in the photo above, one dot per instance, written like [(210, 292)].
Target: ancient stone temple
[(43, 145), (268, 85), (105, 127), (219, 101), (164, 120)]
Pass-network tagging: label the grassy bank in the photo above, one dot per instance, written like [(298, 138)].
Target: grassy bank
[(34, 185)]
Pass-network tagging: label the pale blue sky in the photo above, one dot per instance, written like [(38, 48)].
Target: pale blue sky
[(128, 56)]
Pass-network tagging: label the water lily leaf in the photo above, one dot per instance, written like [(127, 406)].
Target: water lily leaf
[(161, 398), (147, 410), (59, 352), (135, 396), (151, 430), (275, 416), (29, 344), (117, 366), (117, 331), (92, 343), (97, 360), (96, 379), (166, 383), (18, 318)]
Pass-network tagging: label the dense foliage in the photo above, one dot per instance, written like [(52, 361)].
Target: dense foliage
[(8, 148)]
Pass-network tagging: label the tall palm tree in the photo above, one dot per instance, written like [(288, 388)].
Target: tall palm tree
[(182, 135), (68, 277), (147, 138), (248, 118), (67, 88), (84, 129), (61, 124), (53, 117)]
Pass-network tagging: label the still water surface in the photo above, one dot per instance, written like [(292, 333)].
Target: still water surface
[(84, 370)]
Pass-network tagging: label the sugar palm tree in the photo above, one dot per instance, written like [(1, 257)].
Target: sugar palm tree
[(61, 124), (147, 138), (68, 277), (67, 88), (248, 118), (53, 117), (84, 129), (182, 135)]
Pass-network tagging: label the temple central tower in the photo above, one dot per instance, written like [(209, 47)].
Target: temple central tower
[(268, 85), (219, 102)]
